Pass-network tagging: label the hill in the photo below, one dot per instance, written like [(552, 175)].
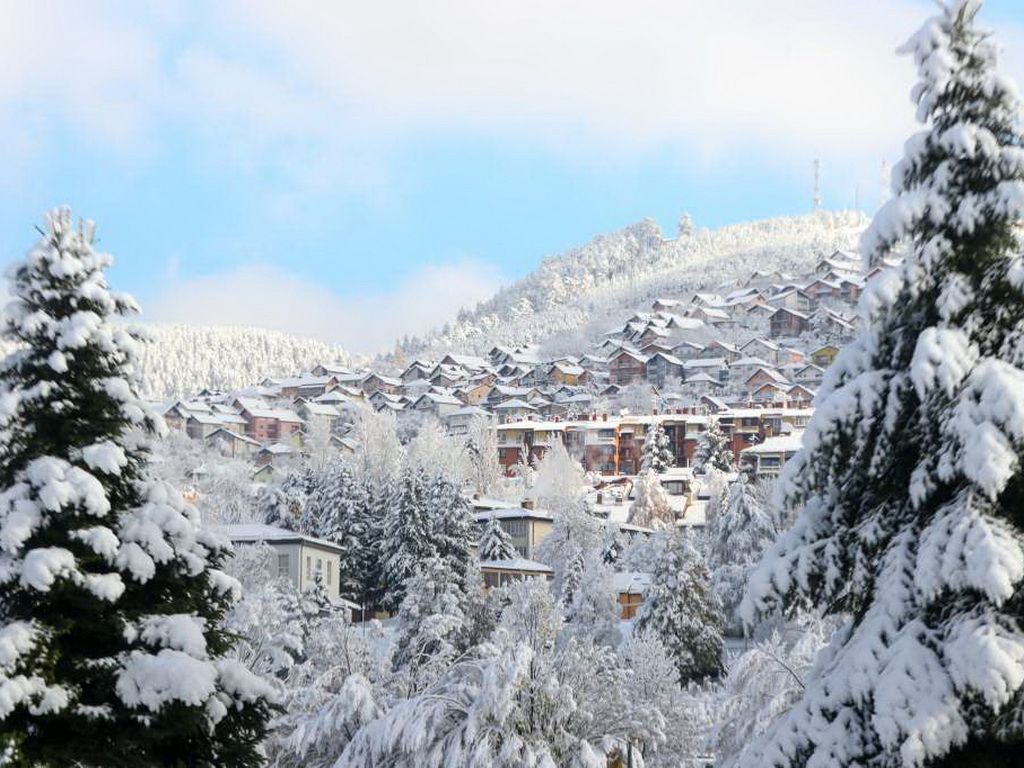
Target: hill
[(570, 299), (184, 359), (187, 358)]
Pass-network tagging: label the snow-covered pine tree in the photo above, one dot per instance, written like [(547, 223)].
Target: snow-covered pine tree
[(430, 626), (270, 638), (741, 532), (110, 591), (451, 525), (713, 451), (339, 500), (650, 507), (370, 506), (614, 544), (594, 612), (657, 452), (495, 543), (573, 576), (406, 540), (681, 608), (910, 485), (285, 504)]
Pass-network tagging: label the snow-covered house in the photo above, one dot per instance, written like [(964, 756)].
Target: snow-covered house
[(662, 366), (514, 408), (626, 366), (299, 558), (232, 444), (526, 527), (630, 588), (788, 322), (825, 355), (666, 305), (769, 457), (437, 404), (498, 573)]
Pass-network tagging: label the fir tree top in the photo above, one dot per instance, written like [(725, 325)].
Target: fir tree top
[(495, 543), (657, 450)]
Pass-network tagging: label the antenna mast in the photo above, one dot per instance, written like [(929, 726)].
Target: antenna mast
[(817, 185)]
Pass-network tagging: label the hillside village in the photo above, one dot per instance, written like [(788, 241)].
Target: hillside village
[(747, 358), (750, 356)]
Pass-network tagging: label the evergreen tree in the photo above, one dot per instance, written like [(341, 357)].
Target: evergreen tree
[(451, 526), (650, 507), (495, 543), (478, 608), (275, 506), (594, 611), (110, 593), (739, 535), (573, 576), (657, 453), (681, 608), (369, 507), (614, 544), (406, 540), (431, 625), (910, 488), (339, 503), (713, 450)]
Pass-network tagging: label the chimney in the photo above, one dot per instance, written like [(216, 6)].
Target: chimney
[(604, 416), (655, 412)]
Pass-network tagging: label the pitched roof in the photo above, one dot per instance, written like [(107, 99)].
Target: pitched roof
[(514, 403)]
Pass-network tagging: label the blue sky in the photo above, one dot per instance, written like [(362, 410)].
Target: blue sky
[(356, 172)]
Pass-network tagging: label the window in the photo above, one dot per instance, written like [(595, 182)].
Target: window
[(282, 566), (309, 567), (319, 568), (517, 529), (330, 569)]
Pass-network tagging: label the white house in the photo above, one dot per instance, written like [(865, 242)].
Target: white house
[(299, 559)]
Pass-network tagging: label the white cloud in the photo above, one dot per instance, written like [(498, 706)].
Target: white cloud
[(719, 76), (265, 296), (323, 91)]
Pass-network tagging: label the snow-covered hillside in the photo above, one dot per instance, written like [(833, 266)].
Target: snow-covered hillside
[(570, 298), (187, 358)]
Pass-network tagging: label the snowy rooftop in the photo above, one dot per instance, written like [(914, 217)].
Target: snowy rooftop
[(632, 582), (254, 532), (518, 564), (778, 444), (512, 513)]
